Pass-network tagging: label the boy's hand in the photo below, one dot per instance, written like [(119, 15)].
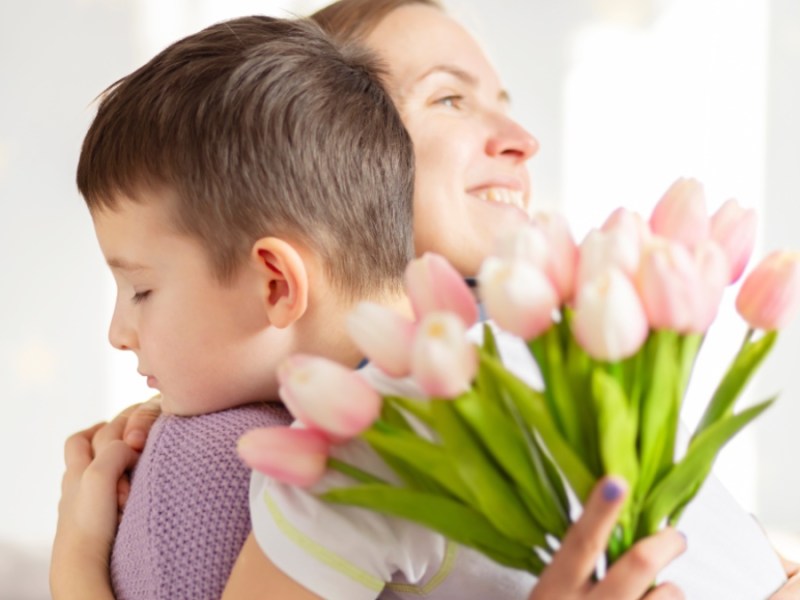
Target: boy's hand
[(569, 575), (88, 514)]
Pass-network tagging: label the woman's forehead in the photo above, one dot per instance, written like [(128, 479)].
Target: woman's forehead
[(419, 41)]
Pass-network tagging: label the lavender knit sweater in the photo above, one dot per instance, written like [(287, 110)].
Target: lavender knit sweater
[(187, 515)]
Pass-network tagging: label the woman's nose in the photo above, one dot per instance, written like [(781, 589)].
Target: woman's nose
[(510, 140)]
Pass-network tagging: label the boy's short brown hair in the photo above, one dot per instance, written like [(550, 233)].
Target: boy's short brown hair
[(262, 127)]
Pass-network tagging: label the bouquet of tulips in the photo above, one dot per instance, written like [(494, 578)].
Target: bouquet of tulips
[(490, 459)]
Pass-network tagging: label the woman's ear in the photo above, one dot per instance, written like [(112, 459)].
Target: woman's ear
[(285, 278)]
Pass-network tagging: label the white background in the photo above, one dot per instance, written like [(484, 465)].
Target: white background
[(624, 96)]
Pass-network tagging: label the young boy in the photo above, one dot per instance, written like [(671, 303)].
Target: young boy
[(247, 186)]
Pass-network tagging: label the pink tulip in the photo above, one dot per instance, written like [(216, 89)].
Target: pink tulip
[(434, 285), (547, 244), (629, 223), (563, 263), (681, 213), (609, 321), (384, 336), (444, 361), (669, 284), (328, 397), (770, 294), (602, 249), (289, 454), (518, 296), (734, 229), (714, 269)]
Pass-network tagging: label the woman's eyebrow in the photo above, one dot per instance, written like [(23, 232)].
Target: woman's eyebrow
[(462, 75)]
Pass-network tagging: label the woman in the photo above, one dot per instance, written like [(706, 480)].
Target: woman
[(471, 181)]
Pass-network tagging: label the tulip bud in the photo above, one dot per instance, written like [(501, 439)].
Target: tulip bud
[(603, 249), (681, 213), (669, 285), (328, 397), (609, 320), (444, 361), (517, 296), (563, 257), (734, 229), (384, 336), (545, 243), (714, 271), (434, 285), (289, 454), (770, 294)]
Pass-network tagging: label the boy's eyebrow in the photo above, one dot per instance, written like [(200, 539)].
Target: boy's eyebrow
[(124, 265), (462, 75)]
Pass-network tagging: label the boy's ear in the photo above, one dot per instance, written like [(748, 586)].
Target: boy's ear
[(285, 280)]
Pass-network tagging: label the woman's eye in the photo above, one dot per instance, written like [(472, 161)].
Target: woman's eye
[(451, 101), (140, 296)]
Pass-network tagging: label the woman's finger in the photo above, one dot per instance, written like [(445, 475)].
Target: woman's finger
[(140, 421), (636, 570), (587, 539), (665, 591)]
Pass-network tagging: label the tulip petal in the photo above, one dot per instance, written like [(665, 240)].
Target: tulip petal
[(327, 396), (289, 454)]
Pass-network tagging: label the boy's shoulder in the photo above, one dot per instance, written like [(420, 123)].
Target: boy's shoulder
[(187, 514)]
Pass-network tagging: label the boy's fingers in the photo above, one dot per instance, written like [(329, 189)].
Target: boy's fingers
[(140, 421), (586, 540), (636, 570)]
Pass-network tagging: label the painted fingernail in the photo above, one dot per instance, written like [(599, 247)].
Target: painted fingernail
[(611, 490), (685, 540)]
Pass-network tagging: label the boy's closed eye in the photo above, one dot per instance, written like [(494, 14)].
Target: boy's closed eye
[(140, 296)]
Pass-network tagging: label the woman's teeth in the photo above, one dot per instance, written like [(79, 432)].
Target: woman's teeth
[(503, 196)]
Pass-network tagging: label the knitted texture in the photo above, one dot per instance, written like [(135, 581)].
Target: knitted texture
[(187, 516)]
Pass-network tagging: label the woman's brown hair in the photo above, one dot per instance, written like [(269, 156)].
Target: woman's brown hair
[(353, 20)]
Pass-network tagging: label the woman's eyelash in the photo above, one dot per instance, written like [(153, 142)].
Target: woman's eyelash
[(140, 296), (450, 100)]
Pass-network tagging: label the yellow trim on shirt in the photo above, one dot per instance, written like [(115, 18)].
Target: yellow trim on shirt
[(443, 573), (321, 553)]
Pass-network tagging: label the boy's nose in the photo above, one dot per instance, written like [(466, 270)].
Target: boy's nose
[(510, 140), (120, 335)]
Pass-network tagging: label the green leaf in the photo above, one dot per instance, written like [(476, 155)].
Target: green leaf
[(416, 460), (658, 411), (617, 426), (506, 444), (450, 518), (532, 407), (679, 486), (494, 494), (744, 365), (421, 409), (550, 357)]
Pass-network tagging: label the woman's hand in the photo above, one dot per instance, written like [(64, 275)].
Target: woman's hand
[(88, 514), (132, 426), (791, 589), (569, 575)]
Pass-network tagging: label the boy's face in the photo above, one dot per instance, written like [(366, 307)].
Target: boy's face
[(205, 345)]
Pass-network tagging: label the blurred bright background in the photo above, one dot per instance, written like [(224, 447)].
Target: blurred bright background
[(624, 96)]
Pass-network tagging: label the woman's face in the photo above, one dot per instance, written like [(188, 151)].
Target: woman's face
[(471, 179)]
